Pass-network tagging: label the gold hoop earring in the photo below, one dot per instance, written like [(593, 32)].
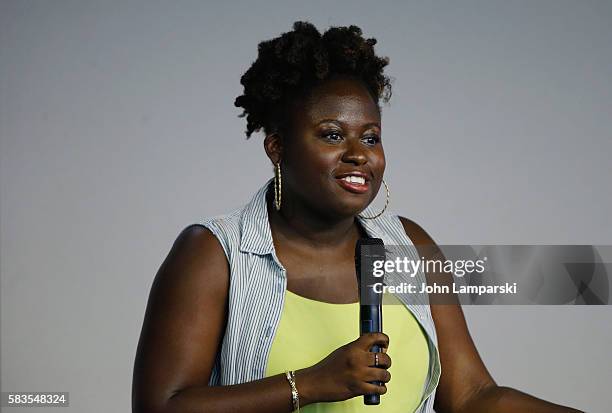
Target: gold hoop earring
[(277, 186), (386, 202)]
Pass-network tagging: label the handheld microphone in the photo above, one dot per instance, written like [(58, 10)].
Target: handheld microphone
[(368, 250)]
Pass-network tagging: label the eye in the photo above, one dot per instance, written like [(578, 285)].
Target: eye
[(372, 139), (332, 136)]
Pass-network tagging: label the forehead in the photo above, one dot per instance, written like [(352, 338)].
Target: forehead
[(346, 100)]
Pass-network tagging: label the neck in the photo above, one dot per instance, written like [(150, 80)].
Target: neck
[(295, 222)]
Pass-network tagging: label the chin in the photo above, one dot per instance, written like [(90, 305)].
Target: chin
[(352, 209), (345, 203)]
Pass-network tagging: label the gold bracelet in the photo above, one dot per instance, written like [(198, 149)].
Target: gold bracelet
[(295, 397)]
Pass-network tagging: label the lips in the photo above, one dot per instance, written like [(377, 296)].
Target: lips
[(355, 183)]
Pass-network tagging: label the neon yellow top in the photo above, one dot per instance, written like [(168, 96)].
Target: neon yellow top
[(309, 330)]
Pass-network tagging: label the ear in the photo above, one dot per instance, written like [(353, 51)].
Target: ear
[(273, 144)]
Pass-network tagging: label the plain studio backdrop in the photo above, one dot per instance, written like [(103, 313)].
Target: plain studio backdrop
[(118, 130)]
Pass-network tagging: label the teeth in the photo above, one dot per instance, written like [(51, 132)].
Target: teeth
[(355, 179)]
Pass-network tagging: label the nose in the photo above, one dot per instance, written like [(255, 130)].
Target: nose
[(354, 153)]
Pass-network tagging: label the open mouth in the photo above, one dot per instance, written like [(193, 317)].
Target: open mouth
[(354, 184)]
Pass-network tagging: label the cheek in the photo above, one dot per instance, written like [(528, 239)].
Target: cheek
[(378, 161), (312, 163), (328, 158), (316, 159)]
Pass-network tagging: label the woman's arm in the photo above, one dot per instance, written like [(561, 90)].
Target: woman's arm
[(465, 384), (183, 328)]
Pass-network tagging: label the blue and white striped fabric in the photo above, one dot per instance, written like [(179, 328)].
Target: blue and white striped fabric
[(257, 292)]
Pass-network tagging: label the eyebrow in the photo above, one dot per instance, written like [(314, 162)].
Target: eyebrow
[(377, 124)]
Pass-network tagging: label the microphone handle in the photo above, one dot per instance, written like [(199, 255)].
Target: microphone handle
[(371, 322)]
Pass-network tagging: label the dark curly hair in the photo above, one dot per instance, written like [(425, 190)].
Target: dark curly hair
[(289, 65)]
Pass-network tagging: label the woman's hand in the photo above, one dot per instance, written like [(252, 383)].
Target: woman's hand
[(346, 371)]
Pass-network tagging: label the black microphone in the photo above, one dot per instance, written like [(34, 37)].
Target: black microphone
[(368, 250)]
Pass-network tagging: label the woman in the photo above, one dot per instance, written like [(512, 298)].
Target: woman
[(256, 310)]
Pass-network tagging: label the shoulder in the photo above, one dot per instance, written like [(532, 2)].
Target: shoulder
[(421, 239), (196, 239), (194, 271), (226, 228), (226, 223), (415, 232), (196, 254)]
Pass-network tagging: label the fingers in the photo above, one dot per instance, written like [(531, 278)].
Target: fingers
[(366, 341), (376, 374), (369, 388), (384, 361)]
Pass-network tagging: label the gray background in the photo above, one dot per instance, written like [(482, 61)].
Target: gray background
[(118, 130)]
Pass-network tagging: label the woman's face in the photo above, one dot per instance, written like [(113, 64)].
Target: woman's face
[(334, 136)]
